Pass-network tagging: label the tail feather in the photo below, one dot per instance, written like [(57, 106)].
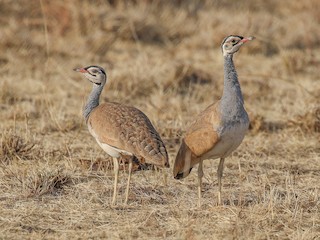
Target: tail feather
[(184, 161)]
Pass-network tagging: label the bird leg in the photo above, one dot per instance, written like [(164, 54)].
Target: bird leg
[(200, 175), (165, 177), (116, 173), (123, 162), (128, 184), (220, 172)]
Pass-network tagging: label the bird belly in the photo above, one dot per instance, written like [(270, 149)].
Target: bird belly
[(230, 138), (110, 150)]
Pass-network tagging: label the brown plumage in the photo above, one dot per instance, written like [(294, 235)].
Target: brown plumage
[(199, 139), (220, 128), (121, 130), (127, 129)]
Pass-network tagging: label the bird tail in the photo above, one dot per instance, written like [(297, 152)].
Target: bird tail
[(184, 162)]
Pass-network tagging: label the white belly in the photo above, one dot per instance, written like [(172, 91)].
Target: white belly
[(110, 150), (231, 138)]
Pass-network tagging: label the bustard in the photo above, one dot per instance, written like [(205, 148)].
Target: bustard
[(120, 130), (220, 128)]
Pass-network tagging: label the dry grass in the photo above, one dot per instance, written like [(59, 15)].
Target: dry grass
[(163, 58)]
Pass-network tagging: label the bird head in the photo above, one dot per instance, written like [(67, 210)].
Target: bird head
[(232, 44), (94, 74)]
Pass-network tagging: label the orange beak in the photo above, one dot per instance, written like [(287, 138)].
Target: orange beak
[(244, 40), (82, 70)]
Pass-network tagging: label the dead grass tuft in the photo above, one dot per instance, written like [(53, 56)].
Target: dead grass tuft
[(16, 147), (39, 182), (310, 121)]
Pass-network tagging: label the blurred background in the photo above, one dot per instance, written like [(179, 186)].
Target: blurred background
[(159, 52)]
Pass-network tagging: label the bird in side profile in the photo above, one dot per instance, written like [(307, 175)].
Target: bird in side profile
[(120, 130), (220, 128)]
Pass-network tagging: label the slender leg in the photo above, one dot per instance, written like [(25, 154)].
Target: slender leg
[(200, 175), (165, 177), (116, 172), (123, 162), (220, 172), (128, 184)]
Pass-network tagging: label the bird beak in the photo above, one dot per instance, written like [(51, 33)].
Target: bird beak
[(82, 70), (244, 40)]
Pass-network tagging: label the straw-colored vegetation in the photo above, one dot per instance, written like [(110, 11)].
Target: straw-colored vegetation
[(164, 58)]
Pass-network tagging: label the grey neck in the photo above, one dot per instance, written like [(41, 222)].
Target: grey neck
[(232, 100), (93, 100)]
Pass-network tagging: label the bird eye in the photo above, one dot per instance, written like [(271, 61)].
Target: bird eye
[(233, 41), (94, 72)]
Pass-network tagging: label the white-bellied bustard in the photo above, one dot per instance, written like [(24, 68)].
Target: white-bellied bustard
[(119, 129), (220, 128)]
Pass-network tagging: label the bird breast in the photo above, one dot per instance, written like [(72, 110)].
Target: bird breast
[(231, 137)]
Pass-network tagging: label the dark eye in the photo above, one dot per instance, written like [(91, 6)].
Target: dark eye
[(94, 72), (233, 41)]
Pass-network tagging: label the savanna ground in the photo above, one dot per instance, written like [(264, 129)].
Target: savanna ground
[(164, 58)]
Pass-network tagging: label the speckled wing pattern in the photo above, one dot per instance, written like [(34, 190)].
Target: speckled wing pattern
[(127, 128), (201, 136)]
